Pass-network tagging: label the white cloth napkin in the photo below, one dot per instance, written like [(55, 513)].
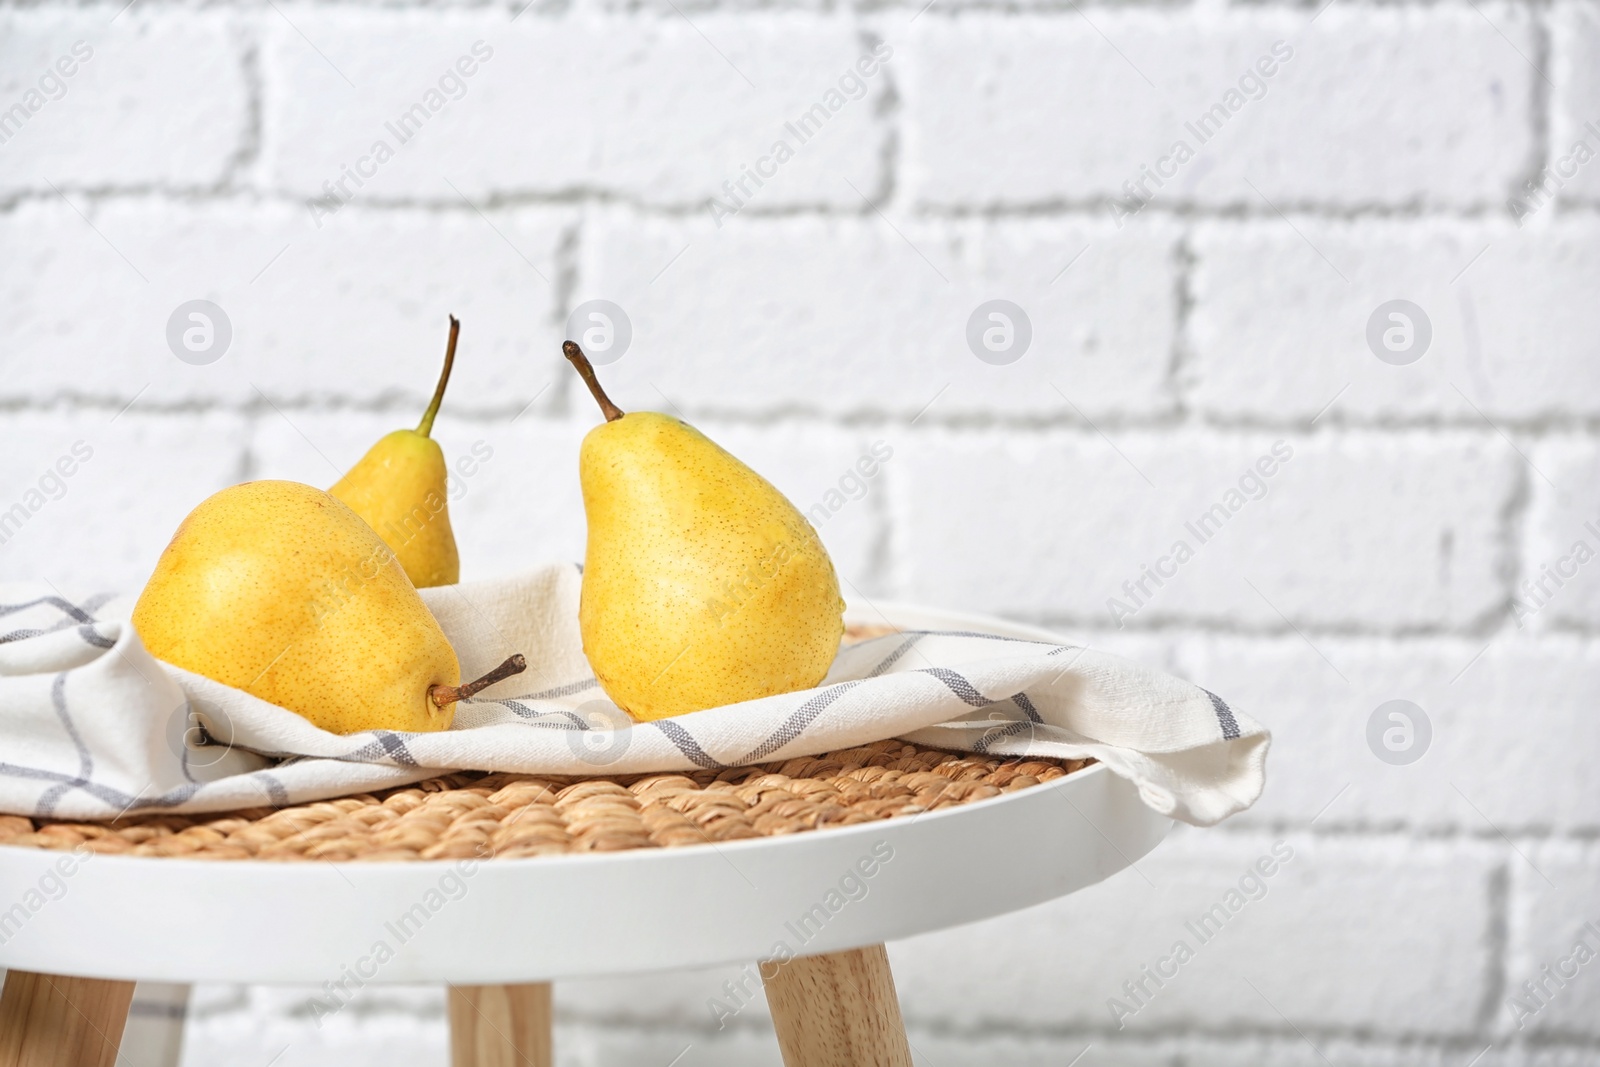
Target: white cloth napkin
[(92, 726)]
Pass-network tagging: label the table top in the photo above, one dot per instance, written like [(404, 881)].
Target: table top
[(517, 920)]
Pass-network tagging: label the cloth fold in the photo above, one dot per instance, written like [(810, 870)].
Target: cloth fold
[(92, 726)]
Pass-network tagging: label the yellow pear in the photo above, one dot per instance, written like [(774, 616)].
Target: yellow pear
[(399, 487), (278, 589), (702, 584)]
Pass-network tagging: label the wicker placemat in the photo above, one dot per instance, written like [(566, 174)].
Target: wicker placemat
[(461, 816)]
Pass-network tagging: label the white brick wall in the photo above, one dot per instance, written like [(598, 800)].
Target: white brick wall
[(1061, 110), (142, 103), (1482, 755), (882, 329), (1575, 30), (627, 107), (1404, 551), (957, 979), (1308, 544), (1557, 889), (1469, 280), (340, 315)]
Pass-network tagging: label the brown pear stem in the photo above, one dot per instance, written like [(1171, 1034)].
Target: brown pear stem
[(585, 371), (425, 427), (445, 695)]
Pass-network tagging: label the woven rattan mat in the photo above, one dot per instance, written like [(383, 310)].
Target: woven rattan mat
[(463, 816), (473, 815)]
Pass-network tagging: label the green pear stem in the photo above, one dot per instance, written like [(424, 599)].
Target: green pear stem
[(585, 371), (425, 427), (445, 695)]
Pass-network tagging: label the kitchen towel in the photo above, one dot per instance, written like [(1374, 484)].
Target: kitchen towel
[(93, 727)]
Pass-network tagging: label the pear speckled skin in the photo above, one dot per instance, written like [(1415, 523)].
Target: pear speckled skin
[(702, 584), (279, 589), (399, 487)]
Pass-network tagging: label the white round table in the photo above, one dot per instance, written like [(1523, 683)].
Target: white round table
[(815, 907)]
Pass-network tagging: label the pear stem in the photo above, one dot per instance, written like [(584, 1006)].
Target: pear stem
[(585, 371), (445, 695), (425, 427)]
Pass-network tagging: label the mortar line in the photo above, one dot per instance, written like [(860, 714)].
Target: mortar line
[(1158, 420), (1497, 936), (1092, 209), (1181, 356)]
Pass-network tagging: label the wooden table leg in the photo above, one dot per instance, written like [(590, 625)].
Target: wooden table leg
[(500, 1025), (839, 1008), (47, 1020)]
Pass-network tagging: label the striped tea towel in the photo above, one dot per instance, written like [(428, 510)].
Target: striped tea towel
[(92, 726)]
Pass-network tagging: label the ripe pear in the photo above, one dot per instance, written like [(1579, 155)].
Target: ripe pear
[(702, 584), (399, 487), (278, 589)]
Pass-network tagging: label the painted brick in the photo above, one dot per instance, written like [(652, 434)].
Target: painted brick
[(846, 315), (1523, 1056), (1555, 887), (356, 310), (102, 528), (946, 1050), (151, 100), (664, 7), (676, 999), (1322, 1050), (357, 1037), (658, 109), (1491, 714), (602, 1045), (1015, 110), (1575, 33), (1558, 583), (1280, 322), (1421, 952), (1378, 531)]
